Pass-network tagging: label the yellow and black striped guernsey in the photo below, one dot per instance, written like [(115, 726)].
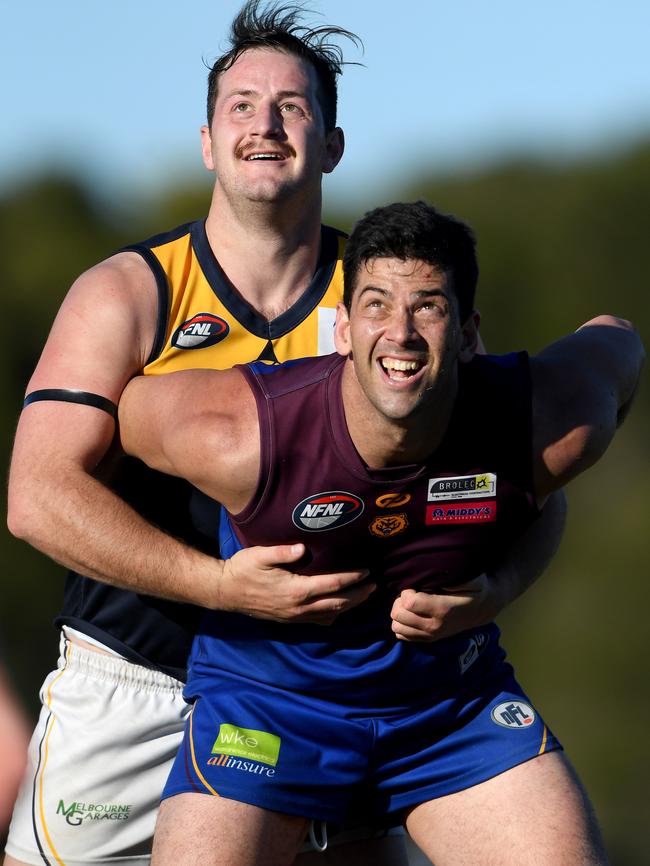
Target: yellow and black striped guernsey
[(204, 322)]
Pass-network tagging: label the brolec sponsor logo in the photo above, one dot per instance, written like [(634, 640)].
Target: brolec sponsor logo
[(327, 510), (201, 331), (456, 513), (462, 487)]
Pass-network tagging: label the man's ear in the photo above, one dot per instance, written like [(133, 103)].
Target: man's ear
[(471, 341), (206, 148), (334, 147), (342, 330)]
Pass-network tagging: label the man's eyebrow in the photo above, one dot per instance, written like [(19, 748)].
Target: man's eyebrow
[(419, 293), (428, 293), (384, 292), (285, 94), (240, 92), (282, 94)]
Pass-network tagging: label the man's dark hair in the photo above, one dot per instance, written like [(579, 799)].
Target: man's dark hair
[(414, 231), (279, 28)]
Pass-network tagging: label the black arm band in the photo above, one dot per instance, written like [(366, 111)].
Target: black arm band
[(72, 395)]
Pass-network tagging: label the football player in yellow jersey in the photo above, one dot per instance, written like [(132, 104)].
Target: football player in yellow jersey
[(257, 279)]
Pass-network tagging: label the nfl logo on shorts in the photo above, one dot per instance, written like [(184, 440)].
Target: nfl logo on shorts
[(515, 715)]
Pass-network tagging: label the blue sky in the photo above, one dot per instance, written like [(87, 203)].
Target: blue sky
[(115, 90)]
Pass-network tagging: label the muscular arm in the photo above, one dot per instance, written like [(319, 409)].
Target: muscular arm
[(100, 338), (582, 389), (200, 425)]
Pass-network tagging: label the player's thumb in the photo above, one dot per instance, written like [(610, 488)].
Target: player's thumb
[(281, 554)]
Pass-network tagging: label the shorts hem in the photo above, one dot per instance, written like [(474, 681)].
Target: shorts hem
[(411, 799), (34, 858), (312, 811)]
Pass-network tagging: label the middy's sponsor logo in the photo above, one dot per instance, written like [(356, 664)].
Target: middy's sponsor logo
[(438, 514), (201, 331), (392, 500), (327, 510), (462, 487), (513, 714), (247, 743), (388, 524), (475, 647), (76, 812)]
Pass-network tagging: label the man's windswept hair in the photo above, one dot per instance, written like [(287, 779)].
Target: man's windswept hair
[(414, 231), (261, 25)]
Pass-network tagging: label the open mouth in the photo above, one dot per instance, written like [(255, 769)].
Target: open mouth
[(399, 369), (273, 157)]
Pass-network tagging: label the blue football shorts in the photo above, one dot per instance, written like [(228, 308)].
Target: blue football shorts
[(309, 757)]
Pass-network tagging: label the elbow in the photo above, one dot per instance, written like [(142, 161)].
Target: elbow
[(20, 517), (25, 519), (608, 321)]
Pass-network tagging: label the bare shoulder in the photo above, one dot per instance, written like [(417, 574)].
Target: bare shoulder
[(104, 329), (603, 357)]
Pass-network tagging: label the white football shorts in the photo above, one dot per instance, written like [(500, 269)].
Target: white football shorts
[(105, 741)]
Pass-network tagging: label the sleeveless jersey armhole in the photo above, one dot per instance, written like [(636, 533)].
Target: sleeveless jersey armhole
[(163, 290)]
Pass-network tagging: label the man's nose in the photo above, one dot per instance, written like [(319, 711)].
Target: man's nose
[(401, 327), (267, 121)]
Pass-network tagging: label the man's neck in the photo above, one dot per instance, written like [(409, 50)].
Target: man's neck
[(383, 442), (268, 252)]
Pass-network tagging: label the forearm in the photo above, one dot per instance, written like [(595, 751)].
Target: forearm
[(531, 555), (80, 523), (85, 526)]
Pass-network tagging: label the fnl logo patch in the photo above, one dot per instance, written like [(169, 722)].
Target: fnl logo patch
[(327, 510), (201, 331)]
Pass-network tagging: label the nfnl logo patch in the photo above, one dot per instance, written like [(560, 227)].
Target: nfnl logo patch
[(513, 714), (462, 487), (327, 510), (201, 331), (457, 513)]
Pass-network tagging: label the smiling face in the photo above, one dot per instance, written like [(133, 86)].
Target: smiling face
[(267, 141), (404, 336)]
